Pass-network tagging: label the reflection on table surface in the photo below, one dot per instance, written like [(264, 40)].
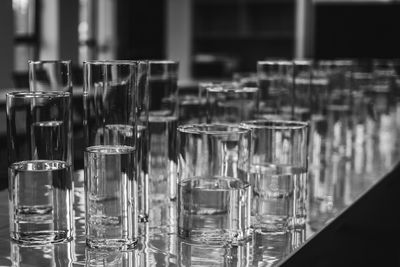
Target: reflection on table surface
[(158, 245)]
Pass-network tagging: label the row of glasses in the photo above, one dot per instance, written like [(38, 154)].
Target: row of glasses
[(117, 143)]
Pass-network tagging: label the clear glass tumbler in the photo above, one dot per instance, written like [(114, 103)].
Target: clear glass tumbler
[(231, 102), (275, 82), (213, 186), (53, 75), (110, 122), (278, 174), (163, 121), (40, 177), (143, 141)]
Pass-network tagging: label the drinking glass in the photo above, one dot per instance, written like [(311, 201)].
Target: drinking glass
[(213, 185), (110, 92), (53, 75), (302, 71), (275, 82), (142, 142), (39, 170), (247, 79), (278, 174), (230, 102), (163, 120)]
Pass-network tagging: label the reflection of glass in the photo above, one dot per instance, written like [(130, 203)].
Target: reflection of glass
[(213, 188), (230, 102), (270, 248), (40, 176), (112, 258), (190, 254), (54, 255)]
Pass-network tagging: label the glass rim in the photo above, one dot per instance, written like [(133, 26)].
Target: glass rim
[(275, 124), (37, 94), (48, 61), (164, 62), (112, 62), (228, 87), (206, 129), (302, 62), (272, 62), (220, 89)]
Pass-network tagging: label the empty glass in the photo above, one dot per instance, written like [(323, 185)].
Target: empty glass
[(213, 186), (142, 142), (40, 175), (275, 82), (163, 120), (110, 93)]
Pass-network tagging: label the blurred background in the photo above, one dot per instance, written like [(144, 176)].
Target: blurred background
[(212, 39)]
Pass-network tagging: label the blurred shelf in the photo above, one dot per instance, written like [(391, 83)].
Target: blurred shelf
[(246, 36)]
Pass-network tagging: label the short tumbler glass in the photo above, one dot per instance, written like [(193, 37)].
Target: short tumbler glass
[(278, 174), (213, 186), (40, 177)]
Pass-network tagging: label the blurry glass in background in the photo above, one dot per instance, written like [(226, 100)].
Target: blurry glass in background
[(275, 82), (331, 140), (246, 79), (302, 70), (192, 107), (231, 102)]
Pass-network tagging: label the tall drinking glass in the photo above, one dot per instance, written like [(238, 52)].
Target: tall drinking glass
[(40, 177), (163, 120), (230, 102), (278, 174), (53, 75), (213, 185), (110, 91), (142, 142), (275, 82)]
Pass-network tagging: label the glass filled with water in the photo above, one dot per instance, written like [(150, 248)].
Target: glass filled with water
[(213, 185), (112, 133), (40, 175), (53, 75), (278, 175)]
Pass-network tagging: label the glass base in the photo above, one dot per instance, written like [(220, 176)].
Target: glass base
[(215, 237), (41, 237)]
